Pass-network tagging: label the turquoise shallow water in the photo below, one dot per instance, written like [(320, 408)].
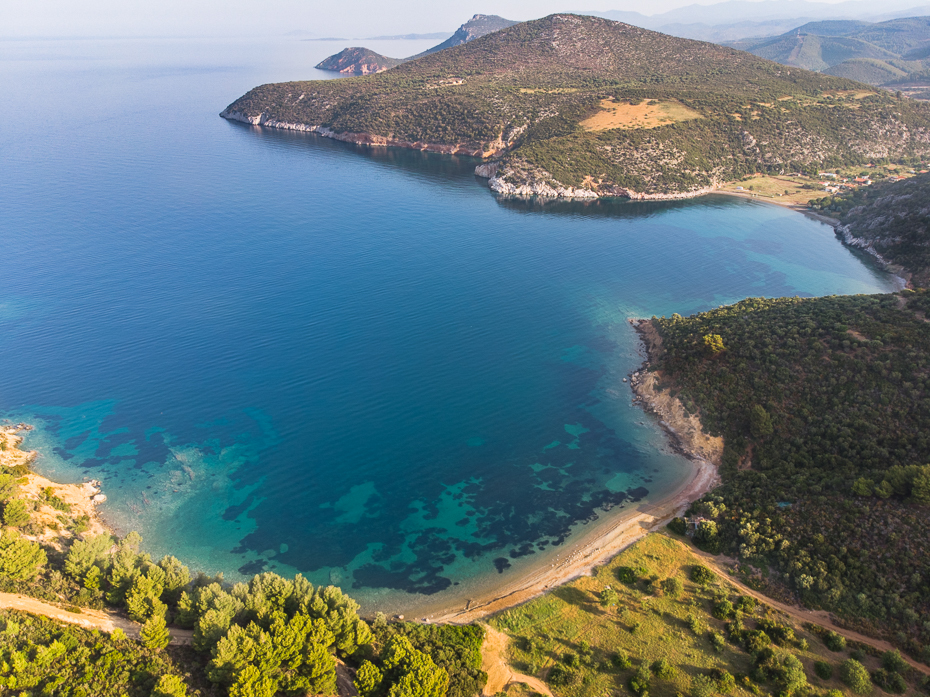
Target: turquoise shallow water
[(281, 352)]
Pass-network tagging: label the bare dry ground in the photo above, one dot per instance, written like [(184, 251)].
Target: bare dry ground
[(647, 114)]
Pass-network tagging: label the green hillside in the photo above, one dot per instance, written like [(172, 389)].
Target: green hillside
[(870, 70), (574, 105), (877, 53), (824, 407), (891, 219)]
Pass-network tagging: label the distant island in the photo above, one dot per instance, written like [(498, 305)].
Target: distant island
[(581, 107), (364, 61)]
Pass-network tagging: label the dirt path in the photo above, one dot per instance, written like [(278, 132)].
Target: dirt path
[(89, 619), (494, 663), (821, 617)]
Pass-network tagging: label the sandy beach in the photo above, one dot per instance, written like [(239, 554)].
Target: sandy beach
[(783, 203), (686, 437)]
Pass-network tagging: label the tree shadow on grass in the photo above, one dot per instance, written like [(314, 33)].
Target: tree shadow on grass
[(574, 596)]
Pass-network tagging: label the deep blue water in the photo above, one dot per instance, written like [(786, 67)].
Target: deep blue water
[(282, 352)]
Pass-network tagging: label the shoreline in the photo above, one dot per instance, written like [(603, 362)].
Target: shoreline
[(833, 222), (82, 499), (685, 437)]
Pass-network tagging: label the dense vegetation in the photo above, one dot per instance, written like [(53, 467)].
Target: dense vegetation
[(891, 219), (269, 636), (655, 621), (885, 53), (40, 657), (522, 92), (824, 405)]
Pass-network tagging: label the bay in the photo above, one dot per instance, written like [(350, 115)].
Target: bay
[(280, 352)]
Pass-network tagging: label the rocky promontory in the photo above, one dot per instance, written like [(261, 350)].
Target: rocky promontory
[(364, 61)]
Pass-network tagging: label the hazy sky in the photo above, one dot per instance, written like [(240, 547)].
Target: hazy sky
[(343, 18)]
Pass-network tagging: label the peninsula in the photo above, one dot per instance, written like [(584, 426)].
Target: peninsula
[(578, 106), (364, 61)]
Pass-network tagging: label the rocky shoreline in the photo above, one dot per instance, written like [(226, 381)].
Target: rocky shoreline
[(364, 138), (844, 232), (530, 187), (685, 431), (81, 499)]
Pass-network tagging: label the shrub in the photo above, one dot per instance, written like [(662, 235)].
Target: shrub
[(834, 641), (702, 686), (561, 675), (889, 681), (724, 679), (678, 526), (639, 683), (626, 574), (673, 586), (663, 669), (824, 670), (621, 661), (571, 660), (780, 633), (718, 641), (755, 640), (723, 609), (855, 676), (894, 662), (701, 574)]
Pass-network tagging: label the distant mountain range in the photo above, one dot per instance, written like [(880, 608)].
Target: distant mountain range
[(893, 54), (739, 19), (364, 61)]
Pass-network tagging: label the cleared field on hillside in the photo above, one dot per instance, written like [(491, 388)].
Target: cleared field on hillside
[(649, 113)]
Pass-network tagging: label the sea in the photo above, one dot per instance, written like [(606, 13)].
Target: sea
[(279, 352)]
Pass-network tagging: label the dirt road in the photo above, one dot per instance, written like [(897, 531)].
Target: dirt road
[(821, 617), (89, 619), (494, 663)]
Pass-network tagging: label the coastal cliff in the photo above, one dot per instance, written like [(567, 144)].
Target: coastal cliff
[(685, 431), (581, 107), (468, 149)]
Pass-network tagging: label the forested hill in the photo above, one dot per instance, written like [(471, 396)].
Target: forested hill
[(891, 220), (892, 53), (604, 108), (824, 407)]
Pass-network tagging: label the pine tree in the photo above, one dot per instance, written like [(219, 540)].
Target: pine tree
[(154, 633), (170, 686), (15, 513), (87, 553), (20, 559)]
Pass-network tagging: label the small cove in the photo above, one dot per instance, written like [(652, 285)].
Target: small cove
[(280, 352)]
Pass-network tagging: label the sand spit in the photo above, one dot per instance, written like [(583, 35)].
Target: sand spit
[(687, 438)]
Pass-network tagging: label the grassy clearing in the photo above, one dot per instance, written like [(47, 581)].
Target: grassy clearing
[(647, 625), (649, 113), (784, 189)]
